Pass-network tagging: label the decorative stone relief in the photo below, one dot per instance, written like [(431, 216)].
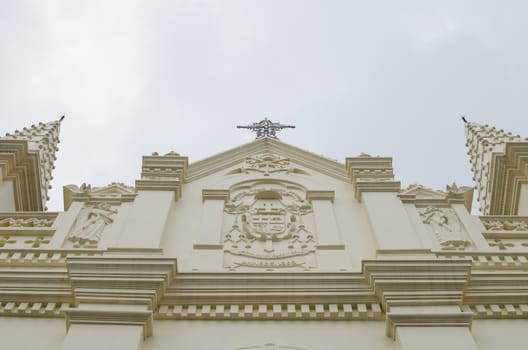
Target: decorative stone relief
[(90, 224), (21, 242), (267, 229), (267, 164), (501, 244), (6, 240), (505, 225), (26, 222), (446, 227), (114, 193), (269, 346)]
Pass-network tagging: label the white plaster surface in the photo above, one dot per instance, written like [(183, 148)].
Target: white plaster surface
[(230, 335), (22, 333), (522, 208), (500, 334), (7, 195)]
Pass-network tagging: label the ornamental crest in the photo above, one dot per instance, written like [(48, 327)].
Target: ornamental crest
[(267, 227), (267, 163)]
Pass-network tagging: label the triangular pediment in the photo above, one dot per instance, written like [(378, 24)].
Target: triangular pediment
[(421, 192), (261, 148), (114, 192)]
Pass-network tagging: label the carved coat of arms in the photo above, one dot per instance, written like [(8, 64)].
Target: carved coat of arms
[(268, 229)]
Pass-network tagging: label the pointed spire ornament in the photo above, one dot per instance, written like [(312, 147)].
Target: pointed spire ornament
[(41, 139), (484, 142), (266, 128)]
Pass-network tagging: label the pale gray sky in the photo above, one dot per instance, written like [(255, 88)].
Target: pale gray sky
[(382, 77)]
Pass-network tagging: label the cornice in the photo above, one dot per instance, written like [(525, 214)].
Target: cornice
[(45, 283), (278, 311), (278, 288), (426, 281), (120, 278)]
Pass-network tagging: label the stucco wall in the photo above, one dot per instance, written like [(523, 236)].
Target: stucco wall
[(500, 334), (22, 333), (230, 335)]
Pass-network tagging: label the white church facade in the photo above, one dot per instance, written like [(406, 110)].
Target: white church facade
[(264, 246)]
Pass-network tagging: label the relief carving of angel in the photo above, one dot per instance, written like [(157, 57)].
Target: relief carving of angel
[(90, 224)]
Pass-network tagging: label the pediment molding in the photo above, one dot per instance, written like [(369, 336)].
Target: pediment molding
[(114, 193), (237, 155), (422, 196)]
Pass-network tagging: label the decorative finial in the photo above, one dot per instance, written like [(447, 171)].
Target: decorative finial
[(265, 128), (62, 118), (463, 116)]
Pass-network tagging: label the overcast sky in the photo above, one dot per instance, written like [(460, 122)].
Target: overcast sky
[(383, 77)]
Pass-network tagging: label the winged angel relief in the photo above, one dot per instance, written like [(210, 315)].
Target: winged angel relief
[(445, 225), (90, 225), (267, 229)]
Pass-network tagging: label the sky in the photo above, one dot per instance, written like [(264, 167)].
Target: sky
[(387, 78)]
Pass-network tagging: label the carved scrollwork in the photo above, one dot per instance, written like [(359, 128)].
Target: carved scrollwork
[(26, 222), (505, 225)]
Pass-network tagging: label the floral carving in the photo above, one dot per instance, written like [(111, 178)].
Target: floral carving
[(25, 222), (499, 243), (6, 240), (37, 242), (505, 225)]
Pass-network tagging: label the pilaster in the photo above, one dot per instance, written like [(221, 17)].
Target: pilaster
[(160, 185), (116, 295), (325, 220), (422, 297), (210, 228), (375, 187)]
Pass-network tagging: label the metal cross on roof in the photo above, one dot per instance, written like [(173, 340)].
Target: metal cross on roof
[(266, 128)]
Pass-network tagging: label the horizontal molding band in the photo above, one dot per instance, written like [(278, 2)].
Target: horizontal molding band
[(272, 312)]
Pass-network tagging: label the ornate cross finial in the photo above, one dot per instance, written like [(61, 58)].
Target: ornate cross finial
[(265, 128)]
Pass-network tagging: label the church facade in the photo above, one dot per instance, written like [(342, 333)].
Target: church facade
[(264, 246)]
